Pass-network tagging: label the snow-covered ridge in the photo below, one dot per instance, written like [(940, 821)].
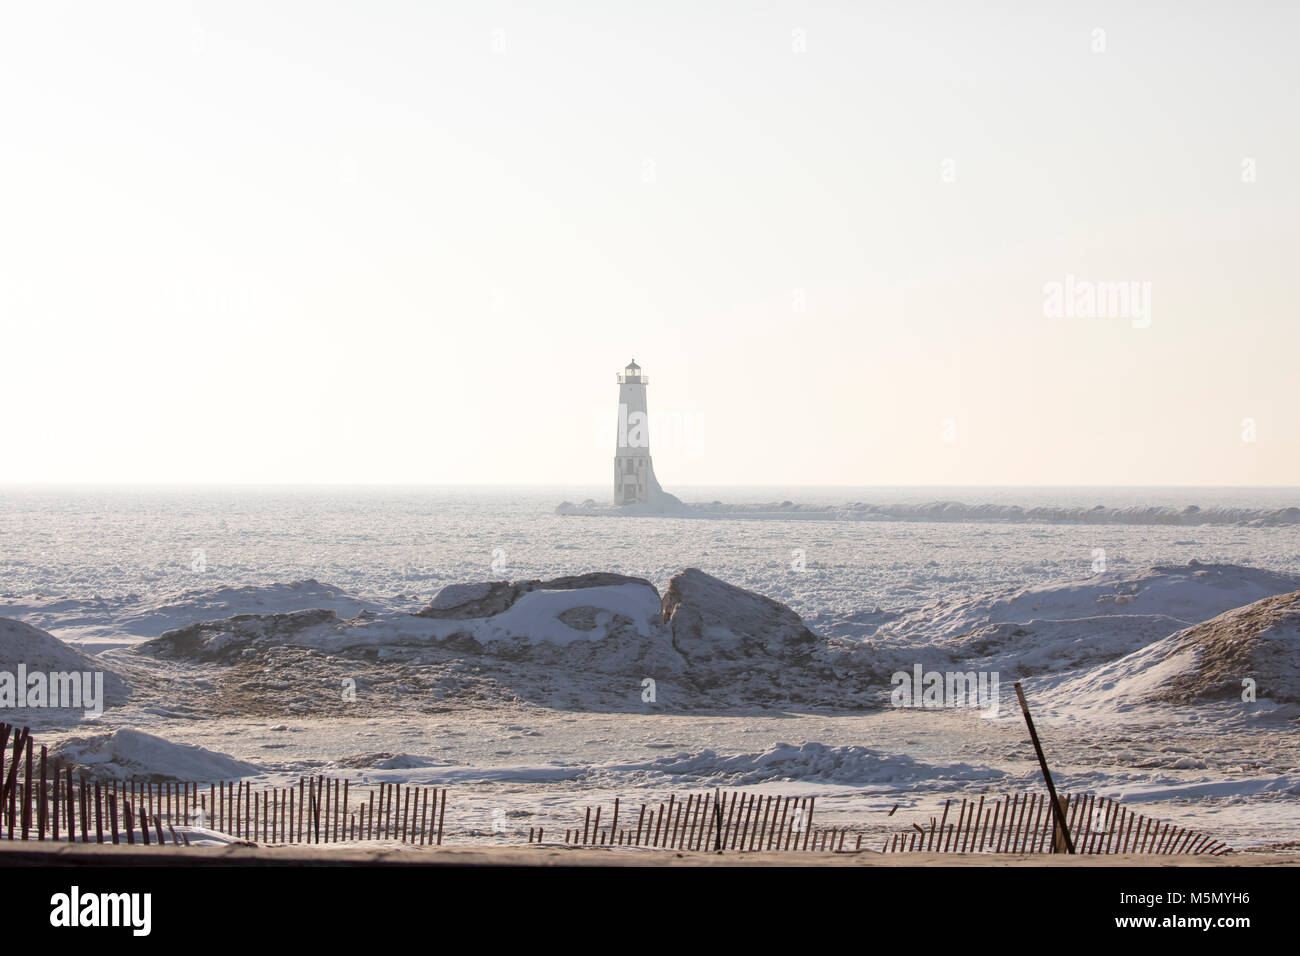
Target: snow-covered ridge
[(1249, 653), (585, 641), (1059, 627), (954, 511), (100, 622), (589, 642), (29, 650)]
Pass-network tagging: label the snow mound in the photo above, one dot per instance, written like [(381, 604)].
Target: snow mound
[(126, 753), (585, 642), (40, 651), (1063, 626), (1188, 593), (1203, 664), (118, 621), (810, 762)]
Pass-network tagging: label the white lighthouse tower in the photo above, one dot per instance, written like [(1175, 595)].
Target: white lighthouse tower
[(634, 474)]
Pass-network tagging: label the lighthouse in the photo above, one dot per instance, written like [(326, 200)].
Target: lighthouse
[(634, 475)]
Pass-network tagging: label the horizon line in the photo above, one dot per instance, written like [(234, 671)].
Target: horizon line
[(573, 485)]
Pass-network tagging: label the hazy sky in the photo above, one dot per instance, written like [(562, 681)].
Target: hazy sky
[(414, 241)]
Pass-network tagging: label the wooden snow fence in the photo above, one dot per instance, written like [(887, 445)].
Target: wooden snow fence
[(40, 801), (746, 822), (1022, 823)]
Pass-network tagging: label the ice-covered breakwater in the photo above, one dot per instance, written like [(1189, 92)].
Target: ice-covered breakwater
[(958, 511)]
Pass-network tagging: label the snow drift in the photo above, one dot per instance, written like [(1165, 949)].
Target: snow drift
[(118, 621), (40, 651), (127, 753), (1051, 629), (808, 763), (1201, 665)]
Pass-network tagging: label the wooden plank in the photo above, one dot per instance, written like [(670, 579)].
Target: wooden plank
[(1130, 817), (948, 841), (989, 831), (5, 731), (1054, 806), (1153, 835), (1096, 824), (761, 824), (683, 819), (1087, 813), (693, 828), (740, 815), (782, 829), (979, 820), (27, 791), (713, 817), (779, 827), (54, 802), (673, 839), (746, 834), (1146, 836), (1025, 807), (1051, 841), (11, 783), (1003, 838), (942, 821), (1162, 838), (85, 812), (1174, 837), (42, 791), (726, 833), (1032, 831), (1116, 834), (1111, 825)]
